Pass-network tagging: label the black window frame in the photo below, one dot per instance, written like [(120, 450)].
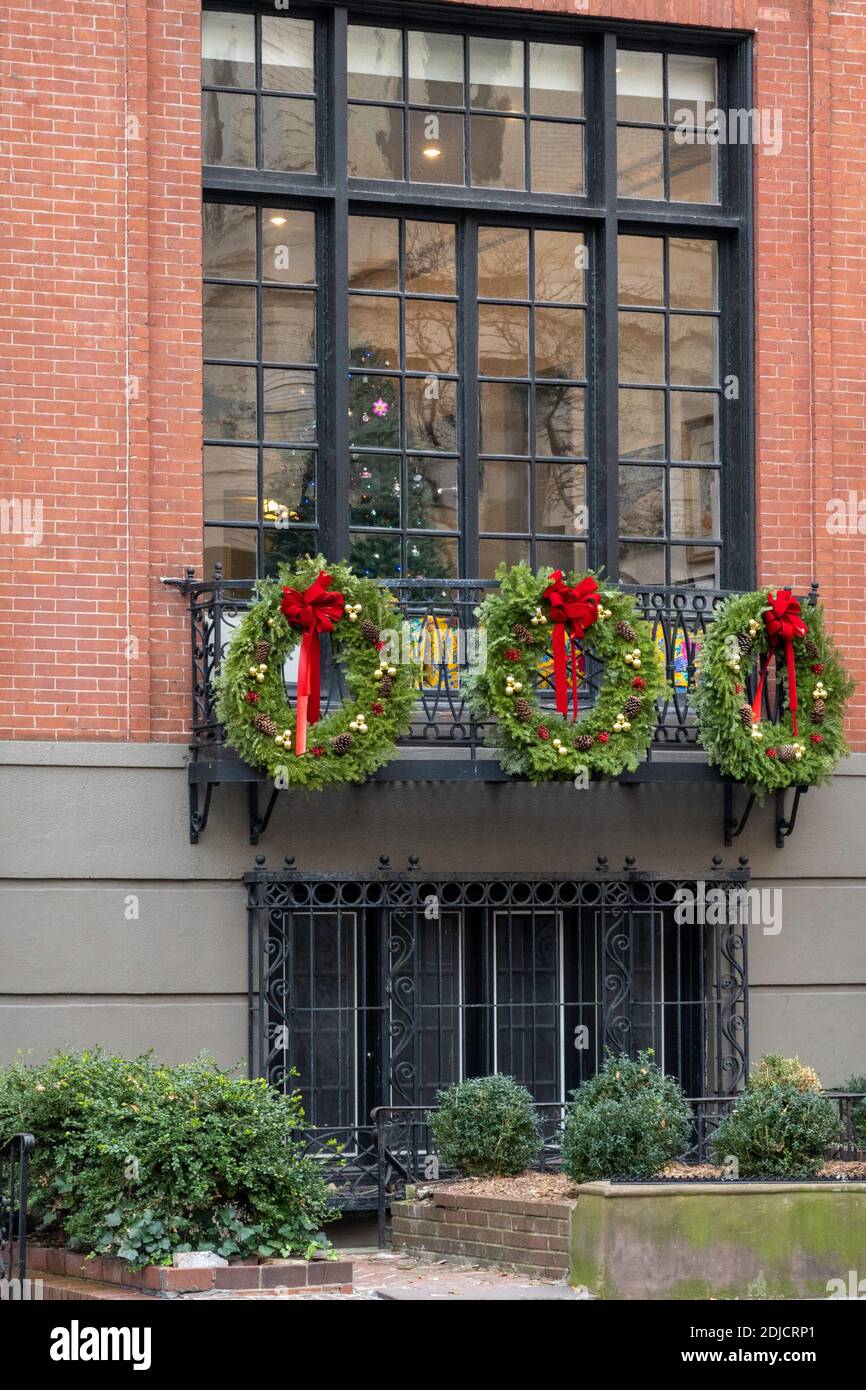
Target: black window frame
[(599, 214)]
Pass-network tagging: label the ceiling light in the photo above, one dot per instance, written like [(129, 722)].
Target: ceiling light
[(277, 221)]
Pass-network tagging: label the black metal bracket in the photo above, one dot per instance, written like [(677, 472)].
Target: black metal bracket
[(198, 817), (732, 826), (785, 824), (259, 823)]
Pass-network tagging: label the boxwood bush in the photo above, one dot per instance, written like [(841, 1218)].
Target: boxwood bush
[(486, 1127), (140, 1160), (628, 1121), (779, 1128), (774, 1070)]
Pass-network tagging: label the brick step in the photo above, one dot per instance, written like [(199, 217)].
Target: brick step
[(62, 1287)]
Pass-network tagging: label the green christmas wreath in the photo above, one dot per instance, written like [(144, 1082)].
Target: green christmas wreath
[(294, 746), (805, 746), (528, 617)]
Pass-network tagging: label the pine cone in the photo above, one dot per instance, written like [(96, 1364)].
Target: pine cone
[(370, 630), (812, 648), (632, 706), (342, 743), (747, 717), (819, 710), (263, 649), (626, 630), (787, 753), (265, 725), (746, 642), (522, 633), (583, 743), (523, 710), (385, 685)]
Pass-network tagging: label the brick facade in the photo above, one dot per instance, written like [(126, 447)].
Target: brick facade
[(100, 308), (526, 1237)]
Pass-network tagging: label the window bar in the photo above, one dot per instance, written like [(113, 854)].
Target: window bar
[(604, 543)]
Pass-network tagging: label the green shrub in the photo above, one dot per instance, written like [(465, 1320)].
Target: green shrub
[(857, 1085), (773, 1070), (628, 1121), (778, 1131), (486, 1127), (140, 1160)]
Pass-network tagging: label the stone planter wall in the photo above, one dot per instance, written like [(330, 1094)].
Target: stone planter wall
[(290, 1276), (529, 1238)]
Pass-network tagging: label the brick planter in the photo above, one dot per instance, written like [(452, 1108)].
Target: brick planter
[(289, 1276), (530, 1238)]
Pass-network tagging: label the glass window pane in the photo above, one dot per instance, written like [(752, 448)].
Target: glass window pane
[(374, 331), (230, 484), (503, 262), (557, 157), (234, 549), (430, 258), (641, 564), (695, 565), (496, 74), (374, 411), (560, 498), (498, 155), (286, 546), (503, 495), (288, 325), (432, 557), (431, 414), (641, 501), (288, 56), (694, 426), (694, 350), (433, 494), (691, 88), (374, 253), (561, 555), (289, 484), (559, 343), (229, 241), (641, 347), (375, 63), (639, 89), (289, 135), (289, 246), (436, 69), (693, 171), (228, 57), (693, 274), (375, 142), (374, 490), (493, 553), (504, 410), (503, 340), (560, 263), (289, 405), (230, 403), (559, 420), (229, 321), (376, 557), (436, 147), (556, 79), (641, 269), (694, 503), (639, 165), (228, 129), (642, 424), (431, 336)]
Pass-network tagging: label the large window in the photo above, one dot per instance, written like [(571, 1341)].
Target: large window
[(474, 292)]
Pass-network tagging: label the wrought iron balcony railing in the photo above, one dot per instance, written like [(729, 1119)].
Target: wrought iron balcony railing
[(445, 741)]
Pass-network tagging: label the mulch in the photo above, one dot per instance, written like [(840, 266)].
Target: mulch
[(556, 1187)]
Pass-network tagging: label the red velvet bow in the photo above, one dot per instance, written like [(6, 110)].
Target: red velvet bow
[(783, 623), (316, 611), (573, 611)]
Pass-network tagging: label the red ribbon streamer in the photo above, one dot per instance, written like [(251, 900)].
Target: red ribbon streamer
[(315, 611), (783, 623), (573, 611)]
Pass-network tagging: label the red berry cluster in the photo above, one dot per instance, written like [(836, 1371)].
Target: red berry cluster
[(380, 646), (817, 668), (512, 654), (738, 689), (817, 738), (317, 752), (377, 708), (252, 697), (543, 732), (638, 683), (772, 753), (604, 737)]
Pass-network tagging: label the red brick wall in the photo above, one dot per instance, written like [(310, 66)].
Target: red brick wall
[(99, 300)]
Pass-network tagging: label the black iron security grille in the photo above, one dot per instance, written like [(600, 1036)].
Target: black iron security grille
[(376, 991)]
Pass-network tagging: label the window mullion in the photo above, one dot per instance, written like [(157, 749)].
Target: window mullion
[(468, 365), (334, 500), (604, 536)]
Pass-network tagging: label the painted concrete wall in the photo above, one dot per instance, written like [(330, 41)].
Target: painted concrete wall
[(92, 833)]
